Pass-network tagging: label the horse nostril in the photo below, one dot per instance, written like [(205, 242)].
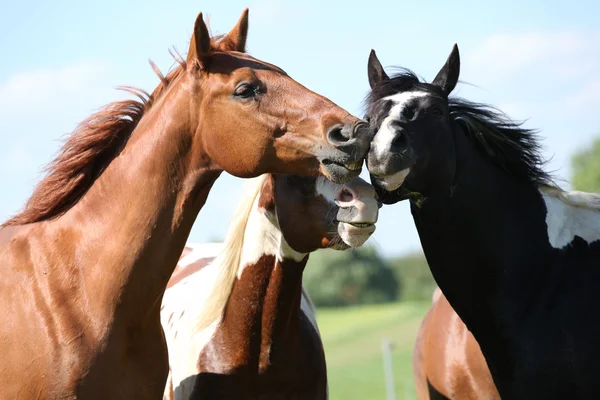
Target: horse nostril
[(400, 142), (339, 135), (345, 196), (362, 128)]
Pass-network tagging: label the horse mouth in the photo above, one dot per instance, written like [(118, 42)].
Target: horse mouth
[(361, 224), (355, 234), (358, 228), (355, 166), (341, 172)]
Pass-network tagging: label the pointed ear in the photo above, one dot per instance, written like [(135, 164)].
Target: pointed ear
[(200, 43), (375, 70), (448, 75), (236, 38)]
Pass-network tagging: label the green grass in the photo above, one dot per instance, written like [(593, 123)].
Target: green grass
[(352, 338)]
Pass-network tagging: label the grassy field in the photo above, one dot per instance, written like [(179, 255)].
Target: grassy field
[(352, 338)]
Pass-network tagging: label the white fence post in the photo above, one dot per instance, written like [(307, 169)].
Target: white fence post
[(386, 349)]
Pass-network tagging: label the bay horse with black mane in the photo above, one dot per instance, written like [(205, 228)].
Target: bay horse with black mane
[(517, 258), (86, 263), (240, 326)]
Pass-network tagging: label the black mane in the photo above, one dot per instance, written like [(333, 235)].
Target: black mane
[(505, 142), (515, 149)]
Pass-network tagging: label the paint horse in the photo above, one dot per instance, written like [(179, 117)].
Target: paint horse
[(517, 258), (447, 360), (86, 263), (242, 327)]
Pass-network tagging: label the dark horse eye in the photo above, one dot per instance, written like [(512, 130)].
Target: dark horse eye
[(246, 90), (408, 113), (437, 111)]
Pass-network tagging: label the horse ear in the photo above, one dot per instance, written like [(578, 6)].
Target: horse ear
[(448, 75), (375, 70), (200, 43), (236, 38)]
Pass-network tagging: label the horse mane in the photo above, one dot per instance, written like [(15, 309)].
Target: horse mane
[(94, 144), (506, 143), (227, 264)]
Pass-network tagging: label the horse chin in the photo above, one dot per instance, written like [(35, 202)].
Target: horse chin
[(355, 234), (393, 181)]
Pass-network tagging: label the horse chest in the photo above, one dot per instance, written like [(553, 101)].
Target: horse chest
[(290, 368)]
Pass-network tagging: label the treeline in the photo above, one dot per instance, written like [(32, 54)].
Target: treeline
[(363, 276)]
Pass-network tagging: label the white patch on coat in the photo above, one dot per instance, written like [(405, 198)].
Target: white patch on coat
[(263, 237), (382, 142), (179, 309), (571, 214), (200, 251)]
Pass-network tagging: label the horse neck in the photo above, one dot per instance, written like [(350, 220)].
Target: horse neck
[(263, 311), (135, 219), (485, 241)]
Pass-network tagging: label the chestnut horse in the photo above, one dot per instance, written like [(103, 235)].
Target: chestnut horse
[(86, 263), (242, 327), (447, 360)]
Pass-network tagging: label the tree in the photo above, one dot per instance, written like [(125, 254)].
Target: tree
[(415, 276), (356, 276), (586, 168)]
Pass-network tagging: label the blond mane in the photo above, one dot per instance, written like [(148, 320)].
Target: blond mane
[(225, 267)]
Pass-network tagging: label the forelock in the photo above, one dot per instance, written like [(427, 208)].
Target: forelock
[(377, 101)]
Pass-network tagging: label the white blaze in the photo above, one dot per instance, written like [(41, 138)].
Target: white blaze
[(382, 142)]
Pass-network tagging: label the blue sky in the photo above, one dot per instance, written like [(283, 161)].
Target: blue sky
[(536, 60)]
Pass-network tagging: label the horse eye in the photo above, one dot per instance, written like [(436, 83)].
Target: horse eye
[(246, 90), (437, 111)]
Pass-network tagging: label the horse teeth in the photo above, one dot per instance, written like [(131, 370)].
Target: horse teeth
[(361, 224), (355, 165)]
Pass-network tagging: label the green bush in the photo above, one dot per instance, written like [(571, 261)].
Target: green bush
[(417, 283), (356, 276), (586, 168)]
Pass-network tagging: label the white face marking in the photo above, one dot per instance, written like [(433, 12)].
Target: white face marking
[(565, 220), (394, 181), (382, 142), (365, 204), (327, 189)]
